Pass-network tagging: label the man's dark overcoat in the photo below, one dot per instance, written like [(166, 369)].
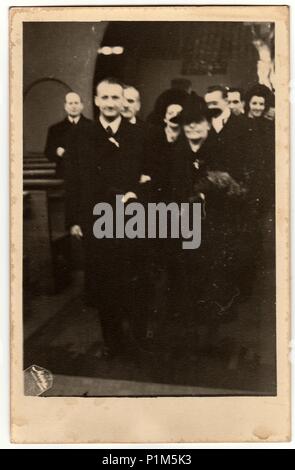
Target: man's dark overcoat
[(60, 135), (97, 171)]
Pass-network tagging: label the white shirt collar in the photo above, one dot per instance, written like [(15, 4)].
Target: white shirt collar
[(74, 119), (133, 120), (114, 125), (194, 147)]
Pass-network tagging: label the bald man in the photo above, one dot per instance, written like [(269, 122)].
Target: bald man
[(60, 135)]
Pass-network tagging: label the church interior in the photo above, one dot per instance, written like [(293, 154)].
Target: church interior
[(60, 334)]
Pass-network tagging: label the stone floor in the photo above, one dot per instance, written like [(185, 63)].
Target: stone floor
[(63, 336)]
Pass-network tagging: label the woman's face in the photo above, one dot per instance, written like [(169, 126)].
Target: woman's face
[(197, 131), (172, 111), (256, 106)]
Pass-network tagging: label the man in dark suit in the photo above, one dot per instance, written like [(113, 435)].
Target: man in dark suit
[(229, 144), (60, 135), (104, 162), (228, 133)]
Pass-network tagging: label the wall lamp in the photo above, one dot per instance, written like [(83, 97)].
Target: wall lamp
[(106, 50)]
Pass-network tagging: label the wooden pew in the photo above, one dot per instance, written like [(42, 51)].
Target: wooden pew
[(35, 160), (39, 166), (46, 242), (37, 245), (42, 184), (34, 155), (27, 280), (37, 174)]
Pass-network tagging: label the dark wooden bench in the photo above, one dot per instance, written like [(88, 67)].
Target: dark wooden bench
[(36, 160), (34, 156), (46, 242), (37, 174), (42, 184), (39, 166)]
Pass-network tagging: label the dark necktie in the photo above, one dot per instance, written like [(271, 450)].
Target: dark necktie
[(109, 132)]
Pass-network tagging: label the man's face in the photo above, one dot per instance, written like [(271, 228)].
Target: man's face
[(215, 100), (256, 106), (234, 102), (270, 114), (197, 131), (131, 103), (73, 104), (109, 100)]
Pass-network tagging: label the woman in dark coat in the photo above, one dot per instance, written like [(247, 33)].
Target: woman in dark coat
[(260, 181), (197, 175), (160, 140), (261, 149), (158, 151)]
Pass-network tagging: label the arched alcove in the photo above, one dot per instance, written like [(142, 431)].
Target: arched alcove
[(58, 56), (38, 116)]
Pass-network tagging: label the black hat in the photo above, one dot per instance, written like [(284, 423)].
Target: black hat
[(194, 110), (168, 97)]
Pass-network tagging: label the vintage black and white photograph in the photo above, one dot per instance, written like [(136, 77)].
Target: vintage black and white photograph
[(149, 172), (149, 208)]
